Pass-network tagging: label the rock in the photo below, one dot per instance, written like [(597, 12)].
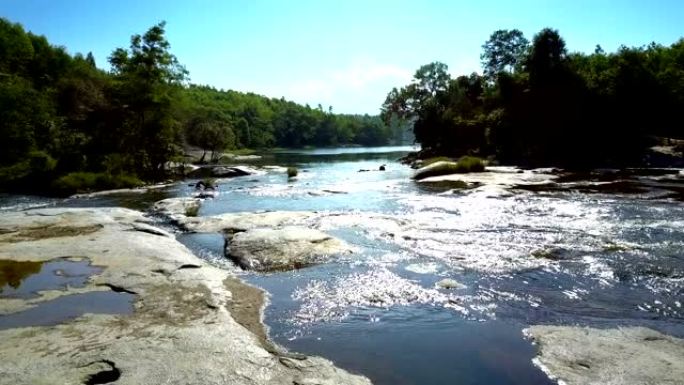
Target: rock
[(497, 178), (178, 208), (436, 169), (382, 168), (551, 253), (222, 172), (629, 356), (275, 168), (286, 248), (449, 283), (235, 222), (228, 172), (136, 190), (203, 320), (239, 158)]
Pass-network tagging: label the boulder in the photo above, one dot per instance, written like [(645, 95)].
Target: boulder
[(178, 208), (222, 172), (286, 248), (627, 356), (436, 169)]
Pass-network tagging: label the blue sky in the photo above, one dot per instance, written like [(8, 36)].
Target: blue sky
[(344, 53)]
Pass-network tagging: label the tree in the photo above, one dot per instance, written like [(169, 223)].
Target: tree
[(213, 136), (503, 52), (547, 56), (16, 50), (90, 59), (148, 76), (431, 79)]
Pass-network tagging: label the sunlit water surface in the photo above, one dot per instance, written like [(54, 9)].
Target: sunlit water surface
[(521, 258)]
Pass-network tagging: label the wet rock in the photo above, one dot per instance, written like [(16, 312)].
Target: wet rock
[(629, 356), (551, 253), (449, 283), (184, 316), (222, 172), (286, 248)]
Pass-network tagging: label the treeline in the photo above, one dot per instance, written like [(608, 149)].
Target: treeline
[(253, 121), (537, 104), (67, 125)]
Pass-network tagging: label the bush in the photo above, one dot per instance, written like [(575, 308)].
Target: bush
[(292, 172), (91, 181), (464, 165)]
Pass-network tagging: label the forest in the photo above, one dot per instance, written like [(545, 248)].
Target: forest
[(68, 125), (536, 104)]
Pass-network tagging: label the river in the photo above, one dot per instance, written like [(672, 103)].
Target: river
[(517, 257)]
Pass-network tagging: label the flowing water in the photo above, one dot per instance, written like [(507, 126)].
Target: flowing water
[(517, 257)]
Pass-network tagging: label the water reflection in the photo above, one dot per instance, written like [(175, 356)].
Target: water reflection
[(12, 273), (26, 279)]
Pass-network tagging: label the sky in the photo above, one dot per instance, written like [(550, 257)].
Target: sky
[(347, 54)]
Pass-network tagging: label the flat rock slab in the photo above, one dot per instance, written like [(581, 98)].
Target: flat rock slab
[(498, 178), (223, 172), (192, 323), (285, 248), (623, 356), (234, 222)]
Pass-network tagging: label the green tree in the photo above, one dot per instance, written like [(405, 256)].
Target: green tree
[(148, 77), (503, 52), (547, 57)]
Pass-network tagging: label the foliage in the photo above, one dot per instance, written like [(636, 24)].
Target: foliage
[(260, 122), (538, 104), (503, 52), (90, 181), (62, 119)]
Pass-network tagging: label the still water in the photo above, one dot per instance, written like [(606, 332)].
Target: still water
[(520, 258)]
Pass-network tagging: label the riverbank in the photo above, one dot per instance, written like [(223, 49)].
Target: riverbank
[(190, 323)]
